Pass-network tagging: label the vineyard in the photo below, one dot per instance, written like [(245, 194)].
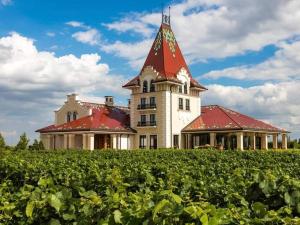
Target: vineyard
[(150, 187)]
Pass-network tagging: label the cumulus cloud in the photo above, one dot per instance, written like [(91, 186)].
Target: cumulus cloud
[(284, 65), (90, 36), (77, 24), (33, 83), (276, 103), (208, 29), (50, 34)]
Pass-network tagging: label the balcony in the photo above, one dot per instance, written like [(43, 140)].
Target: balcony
[(146, 106), (146, 124)]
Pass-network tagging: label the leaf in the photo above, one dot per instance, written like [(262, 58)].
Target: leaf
[(68, 216), (260, 209), (176, 198), (204, 219), (117, 216), (160, 206), (29, 209), (55, 202), (54, 222)]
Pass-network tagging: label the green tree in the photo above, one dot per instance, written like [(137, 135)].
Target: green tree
[(41, 146), (35, 145), (2, 142), (23, 142)]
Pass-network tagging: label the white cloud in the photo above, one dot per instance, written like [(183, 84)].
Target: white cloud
[(278, 104), (6, 2), (33, 83), (8, 133), (284, 65), (77, 24), (50, 34), (91, 36), (219, 28)]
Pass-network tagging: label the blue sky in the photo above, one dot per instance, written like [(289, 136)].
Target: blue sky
[(245, 53)]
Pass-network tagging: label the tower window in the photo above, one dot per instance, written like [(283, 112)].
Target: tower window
[(187, 104), (185, 88), (180, 89), (152, 86), (143, 141), (180, 103), (152, 120), (145, 86), (152, 101)]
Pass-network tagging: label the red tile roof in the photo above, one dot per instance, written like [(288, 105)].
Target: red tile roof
[(103, 118), (165, 58), (216, 117)]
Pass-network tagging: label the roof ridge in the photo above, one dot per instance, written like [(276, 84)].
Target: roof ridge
[(222, 108)]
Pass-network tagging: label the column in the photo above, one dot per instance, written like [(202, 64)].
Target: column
[(189, 141), (65, 141), (90, 141), (240, 140), (284, 141), (114, 141), (105, 141), (252, 141), (84, 141), (264, 141), (71, 141), (212, 138), (275, 141)]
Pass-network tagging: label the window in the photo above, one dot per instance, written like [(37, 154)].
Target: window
[(143, 120), (143, 141), (152, 86), (187, 104), (69, 116), (153, 141), (74, 115), (185, 88), (176, 141), (152, 120), (145, 86), (180, 89), (180, 103), (152, 101), (143, 103)]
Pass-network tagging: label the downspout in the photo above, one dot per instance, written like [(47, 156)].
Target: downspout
[(171, 126)]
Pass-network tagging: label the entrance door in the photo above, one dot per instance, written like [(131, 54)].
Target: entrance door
[(102, 141)]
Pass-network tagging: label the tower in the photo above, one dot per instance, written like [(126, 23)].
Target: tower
[(164, 96)]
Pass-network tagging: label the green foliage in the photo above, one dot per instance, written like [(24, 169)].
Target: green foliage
[(23, 142), (2, 142), (37, 145), (150, 187)]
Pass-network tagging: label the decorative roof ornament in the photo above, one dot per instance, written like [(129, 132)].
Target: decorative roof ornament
[(166, 19)]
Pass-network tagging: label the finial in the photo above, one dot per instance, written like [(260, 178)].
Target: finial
[(166, 18)]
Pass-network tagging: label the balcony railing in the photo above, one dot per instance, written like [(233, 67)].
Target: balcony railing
[(146, 124), (147, 106)]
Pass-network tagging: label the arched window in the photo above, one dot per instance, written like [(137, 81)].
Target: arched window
[(185, 88), (145, 86), (74, 115), (180, 89), (152, 86), (69, 116)]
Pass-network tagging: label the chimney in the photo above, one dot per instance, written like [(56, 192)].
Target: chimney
[(72, 97), (109, 100)]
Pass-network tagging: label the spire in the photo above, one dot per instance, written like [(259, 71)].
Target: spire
[(165, 56), (166, 19)]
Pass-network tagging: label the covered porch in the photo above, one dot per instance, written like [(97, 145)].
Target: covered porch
[(242, 140), (87, 141)]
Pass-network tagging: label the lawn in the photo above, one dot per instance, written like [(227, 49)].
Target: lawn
[(150, 187)]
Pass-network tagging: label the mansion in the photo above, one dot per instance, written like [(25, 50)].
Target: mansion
[(164, 111)]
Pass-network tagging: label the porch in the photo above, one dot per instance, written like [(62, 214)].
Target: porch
[(242, 140), (86, 141)]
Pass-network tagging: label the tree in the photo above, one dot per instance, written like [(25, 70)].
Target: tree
[(23, 142), (2, 142), (41, 146)]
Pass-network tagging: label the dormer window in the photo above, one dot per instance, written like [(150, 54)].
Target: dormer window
[(145, 86), (74, 115), (69, 114), (185, 88), (152, 86)]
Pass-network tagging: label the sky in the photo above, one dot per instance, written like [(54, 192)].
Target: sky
[(245, 52)]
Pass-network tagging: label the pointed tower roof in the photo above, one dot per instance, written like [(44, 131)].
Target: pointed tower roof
[(165, 57)]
